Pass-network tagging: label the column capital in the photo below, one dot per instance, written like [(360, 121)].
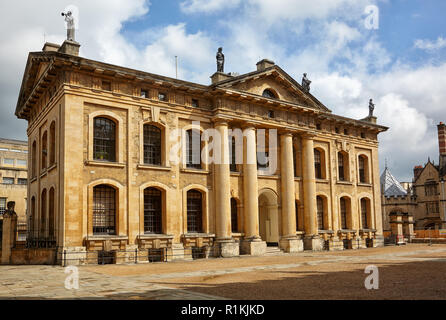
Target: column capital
[(308, 135), (220, 121), (248, 126)]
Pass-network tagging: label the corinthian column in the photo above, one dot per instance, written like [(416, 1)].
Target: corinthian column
[(252, 243), (311, 240)]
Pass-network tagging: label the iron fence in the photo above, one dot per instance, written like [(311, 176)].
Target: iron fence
[(40, 239)]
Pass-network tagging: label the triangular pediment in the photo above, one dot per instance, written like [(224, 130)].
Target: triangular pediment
[(277, 81)]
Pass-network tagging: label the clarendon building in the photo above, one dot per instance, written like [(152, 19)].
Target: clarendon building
[(101, 180), (13, 179), (423, 199)]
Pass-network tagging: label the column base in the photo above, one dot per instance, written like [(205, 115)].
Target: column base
[(228, 248), (314, 243), (336, 244), (378, 241), (290, 245), (253, 247)]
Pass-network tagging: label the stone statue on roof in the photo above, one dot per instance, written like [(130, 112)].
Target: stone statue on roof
[(220, 60), (69, 19), (371, 108), (306, 83)]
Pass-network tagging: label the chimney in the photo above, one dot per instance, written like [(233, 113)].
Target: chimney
[(264, 64), (442, 147), (416, 172)]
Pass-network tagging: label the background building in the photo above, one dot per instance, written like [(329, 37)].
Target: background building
[(13, 178), (424, 198), (101, 181)]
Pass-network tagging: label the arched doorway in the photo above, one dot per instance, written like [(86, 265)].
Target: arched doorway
[(269, 217)]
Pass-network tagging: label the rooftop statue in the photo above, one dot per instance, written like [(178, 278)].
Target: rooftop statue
[(220, 60), (371, 107), (306, 83), (69, 19)]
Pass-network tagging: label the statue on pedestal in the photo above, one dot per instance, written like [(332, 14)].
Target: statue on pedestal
[(220, 60), (371, 108), (69, 19), (306, 83)]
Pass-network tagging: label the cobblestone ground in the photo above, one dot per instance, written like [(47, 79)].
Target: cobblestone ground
[(406, 272)]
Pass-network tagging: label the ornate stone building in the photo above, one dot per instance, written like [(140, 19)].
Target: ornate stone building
[(101, 179), (424, 198), (13, 179)]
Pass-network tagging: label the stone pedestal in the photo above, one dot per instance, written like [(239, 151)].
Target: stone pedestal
[(255, 247), (228, 248), (9, 233), (70, 47), (220, 76), (290, 245), (314, 243)]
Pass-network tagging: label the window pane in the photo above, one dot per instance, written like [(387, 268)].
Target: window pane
[(234, 215), (194, 211), (22, 181), (8, 180), (2, 205), (21, 163), (152, 211), (152, 145), (193, 141), (104, 210), (320, 213), (104, 144), (8, 161)]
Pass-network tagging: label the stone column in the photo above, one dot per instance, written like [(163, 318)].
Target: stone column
[(9, 233), (311, 240), (252, 243), (288, 241), (228, 247)]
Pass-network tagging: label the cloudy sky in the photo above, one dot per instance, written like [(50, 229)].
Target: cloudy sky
[(401, 64)]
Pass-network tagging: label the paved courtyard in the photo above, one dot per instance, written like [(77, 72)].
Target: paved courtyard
[(415, 271)]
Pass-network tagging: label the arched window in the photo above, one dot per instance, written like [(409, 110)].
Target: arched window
[(104, 210), (44, 149), (365, 213), (317, 164), (51, 215), (268, 94), (52, 143), (34, 159), (153, 210), (104, 143), (320, 212), (152, 145), (234, 216), (363, 169), (343, 213), (193, 149), (43, 213), (194, 211)]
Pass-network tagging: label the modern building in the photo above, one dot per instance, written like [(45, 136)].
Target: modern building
[(13, 179), (424, 198), (103, 179)]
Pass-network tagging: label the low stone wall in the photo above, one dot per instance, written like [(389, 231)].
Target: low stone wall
[(33, 256), (430, 240)]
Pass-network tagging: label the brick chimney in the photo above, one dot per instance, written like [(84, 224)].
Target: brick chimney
[(442, 147), (416, 172)]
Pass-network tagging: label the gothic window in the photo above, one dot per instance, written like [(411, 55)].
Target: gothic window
[(153, 210), (194, 211), (152, 145), (234, 215), (104, 210), (104, 144)]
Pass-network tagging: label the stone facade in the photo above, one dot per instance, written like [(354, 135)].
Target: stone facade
[(241, 209), (13, 179), (425, 198)]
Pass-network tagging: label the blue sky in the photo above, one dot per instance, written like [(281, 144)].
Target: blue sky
[(401, 65)]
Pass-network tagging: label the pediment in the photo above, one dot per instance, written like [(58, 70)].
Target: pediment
[(277, 81)]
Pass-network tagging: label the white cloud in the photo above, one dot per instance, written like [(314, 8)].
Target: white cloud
[(207, 6), (429, 45)]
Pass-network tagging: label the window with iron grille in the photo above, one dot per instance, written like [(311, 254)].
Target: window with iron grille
[(234, 215), (320, 213), (52, 143), (296, 209), (341, 166), (104, 210), (43, 212), (294, 160), (193, 139), (34, 160), (2, 205), (153, 210), (152, 145), (44, 149), (317, 164), (361, 169), (104, 144), (364, 214), (343, 213), (194, 211), (51, 215), (232, 156)]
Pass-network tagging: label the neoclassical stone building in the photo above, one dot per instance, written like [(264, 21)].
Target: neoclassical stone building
[(101, 179)]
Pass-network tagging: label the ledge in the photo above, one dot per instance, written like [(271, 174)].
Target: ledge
[(106, 237), (367, 230), (238, 234), (359, 184), (325, 231), (104, 164), (54, 165), (197, 171), (350, 183), (326, 181), (153, 167), (198, 235), (235, 174), (347, 231), (155, 236), (271, 177), (45, 171)]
